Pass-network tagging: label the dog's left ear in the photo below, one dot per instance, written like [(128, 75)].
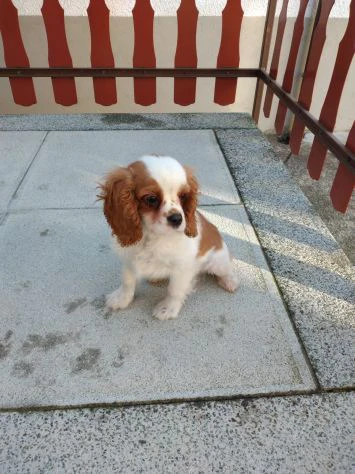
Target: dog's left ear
[(190, 203)]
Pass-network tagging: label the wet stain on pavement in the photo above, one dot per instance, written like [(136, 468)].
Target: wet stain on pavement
[(46, 342), (98, 302), (71, 306), (22, 369), (87, 360), (43, 187), (5, 345), (119, 361)]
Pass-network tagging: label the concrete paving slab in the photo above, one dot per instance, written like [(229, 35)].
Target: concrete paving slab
[(342, 226), (59, 346), (184, 121), (17, 150), (311, 434), (315, 276), (69, 165)]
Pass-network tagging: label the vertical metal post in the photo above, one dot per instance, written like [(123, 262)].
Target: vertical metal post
[(264, 55), (301, 63)]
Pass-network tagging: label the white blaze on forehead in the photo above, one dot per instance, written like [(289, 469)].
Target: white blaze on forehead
[(168, 173)]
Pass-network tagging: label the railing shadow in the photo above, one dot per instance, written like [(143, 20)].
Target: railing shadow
[(298, 255)]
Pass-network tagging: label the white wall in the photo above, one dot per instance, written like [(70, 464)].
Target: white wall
[(165, 34)]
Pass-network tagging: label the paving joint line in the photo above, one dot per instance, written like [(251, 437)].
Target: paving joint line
[(26, 171), (34, 209), (269, 263), (7, 211), (179, 401), (123, 129), (221, 204), (85, 208)]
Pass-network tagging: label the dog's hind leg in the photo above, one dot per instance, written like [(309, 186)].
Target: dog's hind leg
[(220, 265)]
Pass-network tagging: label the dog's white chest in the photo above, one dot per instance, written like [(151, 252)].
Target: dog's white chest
[(155, 261), (156, 257)]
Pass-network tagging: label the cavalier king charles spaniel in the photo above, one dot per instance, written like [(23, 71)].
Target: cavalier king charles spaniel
[(159, 234)]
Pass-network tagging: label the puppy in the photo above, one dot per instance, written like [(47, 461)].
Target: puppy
[(159, 234)]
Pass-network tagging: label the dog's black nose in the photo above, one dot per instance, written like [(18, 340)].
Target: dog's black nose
[(174, 219)]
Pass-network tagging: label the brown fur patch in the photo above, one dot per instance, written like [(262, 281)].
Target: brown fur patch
[(210, 236), (144, 183), (121, 193), (159, 283), (189, 203)]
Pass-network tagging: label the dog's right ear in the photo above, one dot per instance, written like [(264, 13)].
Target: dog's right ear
[(190, 203), (121, 206)]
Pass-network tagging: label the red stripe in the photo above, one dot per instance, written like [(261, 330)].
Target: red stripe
[(58, 51), (291, 64), (15, 54), (101, 51), (329, 111), (144, 56), (276, 56), (310, 72), (186, 54), (228, 56), (344, 181)]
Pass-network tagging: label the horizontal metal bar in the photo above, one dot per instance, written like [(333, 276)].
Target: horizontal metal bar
[(127, 72), (327, 138), (323, 135)]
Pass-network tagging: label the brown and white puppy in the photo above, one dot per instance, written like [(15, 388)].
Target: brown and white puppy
[(159, 234)]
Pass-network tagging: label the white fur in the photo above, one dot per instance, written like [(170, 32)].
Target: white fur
[(165, 252), (171, 176), (166, 171)]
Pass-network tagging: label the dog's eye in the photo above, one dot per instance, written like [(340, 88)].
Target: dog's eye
[(183, 197), (151, 201)]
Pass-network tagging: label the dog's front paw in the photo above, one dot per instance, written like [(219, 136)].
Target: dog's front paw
[(167, 309), (119, 299)]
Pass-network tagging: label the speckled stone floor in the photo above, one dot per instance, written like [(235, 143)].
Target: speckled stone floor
[(288, 331)]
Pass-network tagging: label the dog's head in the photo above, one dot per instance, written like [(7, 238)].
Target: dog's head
[(156, 193)]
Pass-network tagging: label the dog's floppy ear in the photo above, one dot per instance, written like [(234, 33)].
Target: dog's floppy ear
[(190, 203), (121, 206)]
